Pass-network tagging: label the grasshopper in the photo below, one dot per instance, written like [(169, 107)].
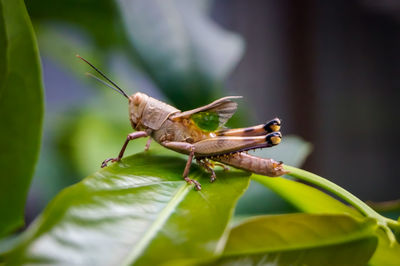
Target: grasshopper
[(200, 134)]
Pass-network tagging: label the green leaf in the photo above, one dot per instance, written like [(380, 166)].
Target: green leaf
[(386, 253), (304, 197), (21, 109), (136, 211), (301, 239), (184, 52)]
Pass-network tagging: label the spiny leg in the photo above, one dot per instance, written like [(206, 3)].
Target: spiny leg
[(130, 137), (209, 168), (212, 164), (226, 168), (184, 146)]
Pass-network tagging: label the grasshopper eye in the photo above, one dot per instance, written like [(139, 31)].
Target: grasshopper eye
[(274, 138), (273, 125), (137, 99)]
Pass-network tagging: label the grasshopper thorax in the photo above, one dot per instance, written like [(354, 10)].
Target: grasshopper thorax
[(146, 112)]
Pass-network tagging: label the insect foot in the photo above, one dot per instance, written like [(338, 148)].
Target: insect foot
[(104, 163), (213, 177), (197, 185)]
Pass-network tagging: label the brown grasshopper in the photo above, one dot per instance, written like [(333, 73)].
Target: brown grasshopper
[(199, 133)]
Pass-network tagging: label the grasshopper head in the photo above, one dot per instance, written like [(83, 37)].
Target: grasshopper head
[(147, 113), (137, 104)]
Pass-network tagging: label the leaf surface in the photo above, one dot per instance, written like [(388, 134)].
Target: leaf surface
[(304, 197), (130, 211), (386, 253), (301, 239), (21, 109)]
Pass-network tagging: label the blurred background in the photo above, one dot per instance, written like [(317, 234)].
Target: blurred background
[(329, 69)]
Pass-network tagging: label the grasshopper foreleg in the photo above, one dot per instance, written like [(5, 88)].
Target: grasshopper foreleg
[(130, 137), (186, 148)]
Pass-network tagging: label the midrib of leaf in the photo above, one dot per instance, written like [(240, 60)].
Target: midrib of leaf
[(157, 224)]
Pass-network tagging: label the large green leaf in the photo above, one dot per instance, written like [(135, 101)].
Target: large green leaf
[(137, 211), (301, 239), (185, 53), (21, 109)]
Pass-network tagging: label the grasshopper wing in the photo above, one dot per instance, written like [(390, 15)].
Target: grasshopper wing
[(211, 116)]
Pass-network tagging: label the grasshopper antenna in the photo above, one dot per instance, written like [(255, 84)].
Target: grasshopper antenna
[(116, 88), (103, 82)]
